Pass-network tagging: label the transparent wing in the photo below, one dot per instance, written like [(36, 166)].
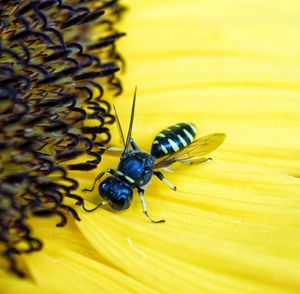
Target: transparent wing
[(194, 152)]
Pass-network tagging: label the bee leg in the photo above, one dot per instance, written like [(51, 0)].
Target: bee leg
[(162, 178), (109, 170), (96, 207), (141, 194), (134, 146), (196, 161), (112, 148)]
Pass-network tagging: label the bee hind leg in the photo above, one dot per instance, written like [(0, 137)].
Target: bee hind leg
[(162, 178)]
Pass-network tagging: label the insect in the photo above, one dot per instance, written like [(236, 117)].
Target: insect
[(136, 168)]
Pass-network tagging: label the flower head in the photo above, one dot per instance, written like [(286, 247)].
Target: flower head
[(52, 79), (232, 226)]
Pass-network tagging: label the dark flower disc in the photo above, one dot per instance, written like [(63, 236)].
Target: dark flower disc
[(53, 76)]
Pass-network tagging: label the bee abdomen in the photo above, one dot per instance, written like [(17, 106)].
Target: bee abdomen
[(173, 139)]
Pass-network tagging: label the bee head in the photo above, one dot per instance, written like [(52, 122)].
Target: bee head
[(117, 192)]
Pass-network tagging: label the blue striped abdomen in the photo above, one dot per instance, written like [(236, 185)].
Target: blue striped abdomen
[(173, 139)]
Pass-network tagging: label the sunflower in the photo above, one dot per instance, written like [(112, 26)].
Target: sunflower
[(52, 83), (233, 224)]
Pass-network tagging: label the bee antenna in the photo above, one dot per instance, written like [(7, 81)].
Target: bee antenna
[(130, 123), (119, 126)]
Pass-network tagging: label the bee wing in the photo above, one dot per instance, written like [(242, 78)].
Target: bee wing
[(194, 152)]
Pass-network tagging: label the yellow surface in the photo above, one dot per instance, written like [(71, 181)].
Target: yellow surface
[(233, 226)]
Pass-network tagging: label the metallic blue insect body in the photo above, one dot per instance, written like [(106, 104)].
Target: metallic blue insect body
[(136, 168)]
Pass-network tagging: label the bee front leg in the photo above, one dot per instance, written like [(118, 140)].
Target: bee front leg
[(108, 170), (102, 203), (145, 210)]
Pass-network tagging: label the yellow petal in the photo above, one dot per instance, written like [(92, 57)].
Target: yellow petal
[(68, 263), (233, 224), (228, 229), (231, 67)]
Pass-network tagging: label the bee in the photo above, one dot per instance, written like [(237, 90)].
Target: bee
[(174, 144)]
